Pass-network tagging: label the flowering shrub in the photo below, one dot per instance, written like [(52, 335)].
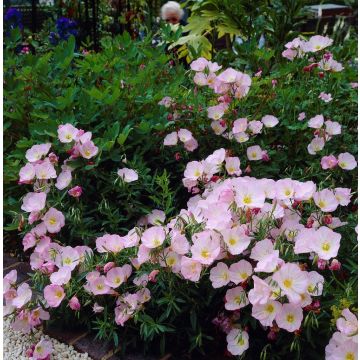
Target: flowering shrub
[(257, 263)]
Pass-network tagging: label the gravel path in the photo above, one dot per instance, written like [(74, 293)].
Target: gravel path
[(16, 344)]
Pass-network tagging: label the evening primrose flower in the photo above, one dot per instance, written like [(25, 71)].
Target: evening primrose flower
[(292, 281), (235, 298), (190, 269), (240, 125), (153, 237), (316, 145), (326, 200), (250, 196), (54, 295), (240, 271), (237, 341), (219, 275), (128, 175), (269, 121), (316, 122), (206, 247), (67, 133), (23, 296), (326, 243), (347, 161), (254, 153), (171, 139), (63, 180), (289, 317), (194, 170), (216, 112), (54, 220), (88, 150), (27, 173), (266, 313), (236, 239), (34, 202), (232, 165), (36, 152), (42, 350), (317, 43), (184, 135)]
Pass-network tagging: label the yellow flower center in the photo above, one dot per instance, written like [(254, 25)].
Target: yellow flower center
[(68, 136), (244, 276), (225, 276), (349, 356), (197, 173), (117, 280), (287, 192), (287, 283), (322, 204), (232, 241), (247, 199), (270, 308), (290, 318), (67, 261), (205, 254), (99, 286), (52, 221), (237, 300), (342, 164), (310, 288), (156, 242), (325, 246), (58, 294), (241, 341), (253, 155), (171, 261), (87, 152)]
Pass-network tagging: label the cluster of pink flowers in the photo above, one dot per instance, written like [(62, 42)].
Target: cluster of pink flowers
[(344, 343), (345, 161), (185, 136), (324, 131), (299, 47)]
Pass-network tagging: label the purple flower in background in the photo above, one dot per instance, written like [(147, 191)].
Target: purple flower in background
[(64, 29), (13, 18)]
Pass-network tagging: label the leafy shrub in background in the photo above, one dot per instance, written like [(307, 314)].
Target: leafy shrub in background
[(146, 115)]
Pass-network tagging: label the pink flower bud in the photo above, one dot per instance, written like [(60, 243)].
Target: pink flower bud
[(309, 223), (327, 219), (142, 66), (248, 169), (265, 156), (272, 335), (47, 268), (152, 276), (53, 158), (327, 56), (321, 264), (335, 265), (108, 266), (74, 303), (75, 191), (170, 117), (177, 156), (274, 82)]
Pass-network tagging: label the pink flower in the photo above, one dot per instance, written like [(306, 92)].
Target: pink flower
[(285, 189), (240, 271), (254, 153), (218, 126), (42, 350), (326, 243), (67, 256), (292, 281), (128, 175), (28, 241), (153, 237), (236, 239), (316, 122), (62, 276), (317, 43), (191, 144), (348, 323), (74, 303), (54, 220), (301, 116), (33, 202), (241, 137), (63, 180), (88, 150), (216, 112), (289, 54), (326, 200), (250, 196), (267, 312), (240, 125), (235, 298), (194, 170), (118, 275), (328, 162), (122, 314), (269, 121), (98, 286), (109, 243), (343, 196), (27, 173), (304, 190), (75, 191), (261, 292), (316, 145), (179, 243), (289, 317), (67, 133), (36, 152), (171, 139), (332, 128), (23, 296), (199, 64), (325, 97), (152, 276), (228, 76), (255, 127), (315, 283), (200, 79), (354, 85), (54, 295), (166, 101), (237, 342), (108, 266), (206, 247), (347, 161), (45, 170), (190, 269), (219, 275), (232, 166), (184, 135)]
